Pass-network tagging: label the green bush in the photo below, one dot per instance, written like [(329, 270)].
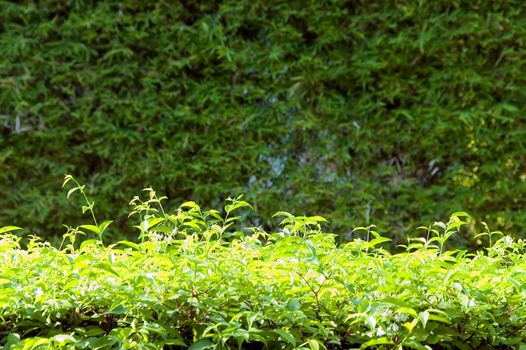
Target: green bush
[(380, 111), (196, 280)]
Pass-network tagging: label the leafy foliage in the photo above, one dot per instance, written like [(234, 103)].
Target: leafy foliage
[(197, 280), (379, 111)]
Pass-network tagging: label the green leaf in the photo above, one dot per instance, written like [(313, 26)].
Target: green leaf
[(70, 192), (411, 325), (379, 240), (13, 338), (154, 327), (314, 344), (9, 229), (93, 331), (191, 224), (34, 343), (378, 341), (190, 204), (118, 309), (413, 344), (396, 301), (283, 213), (174, 341), (440, 224), (135, 246), (86, 208), (107, 267), (286, 335), (293, 304), (63, 339), (455, 224), (461, 214), (407, 310), (202, 344), (424, 317), (215, 214), (67, 178), (236, 205), (104, 342), (439, 319), (152, 222), (312, 248), (91, 228), (102, 227), (317, 219)]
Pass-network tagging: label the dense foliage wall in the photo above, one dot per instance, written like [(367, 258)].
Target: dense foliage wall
[(389, 112)]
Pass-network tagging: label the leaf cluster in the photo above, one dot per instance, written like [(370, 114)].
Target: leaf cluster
[(393, 112), (198, 279)]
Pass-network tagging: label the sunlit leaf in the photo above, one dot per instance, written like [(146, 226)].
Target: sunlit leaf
[(9, 229)]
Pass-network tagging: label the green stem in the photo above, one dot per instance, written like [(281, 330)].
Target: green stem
[(87, 201)]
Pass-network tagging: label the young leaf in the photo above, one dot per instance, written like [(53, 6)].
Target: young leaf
[(91, 228), (424, 317), (190, 204), (102, 227), (67, 178), (71, 191), (283, 213), (236, 205), (315, 344), (9, 229)]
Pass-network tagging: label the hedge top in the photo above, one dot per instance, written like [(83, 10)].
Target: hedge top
[(196, 281)]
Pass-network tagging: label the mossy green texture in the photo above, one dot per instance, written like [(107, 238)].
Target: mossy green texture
[(382, 112)]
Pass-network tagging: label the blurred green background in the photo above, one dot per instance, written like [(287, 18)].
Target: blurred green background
[(388, 112)]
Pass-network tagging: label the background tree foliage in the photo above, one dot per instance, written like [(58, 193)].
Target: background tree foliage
[(390, 112)]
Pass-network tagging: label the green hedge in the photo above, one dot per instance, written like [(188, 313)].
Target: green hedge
[(381, 111), (196, 281)]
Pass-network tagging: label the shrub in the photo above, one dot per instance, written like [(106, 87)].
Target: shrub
[(195, 280), (385, 112)]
